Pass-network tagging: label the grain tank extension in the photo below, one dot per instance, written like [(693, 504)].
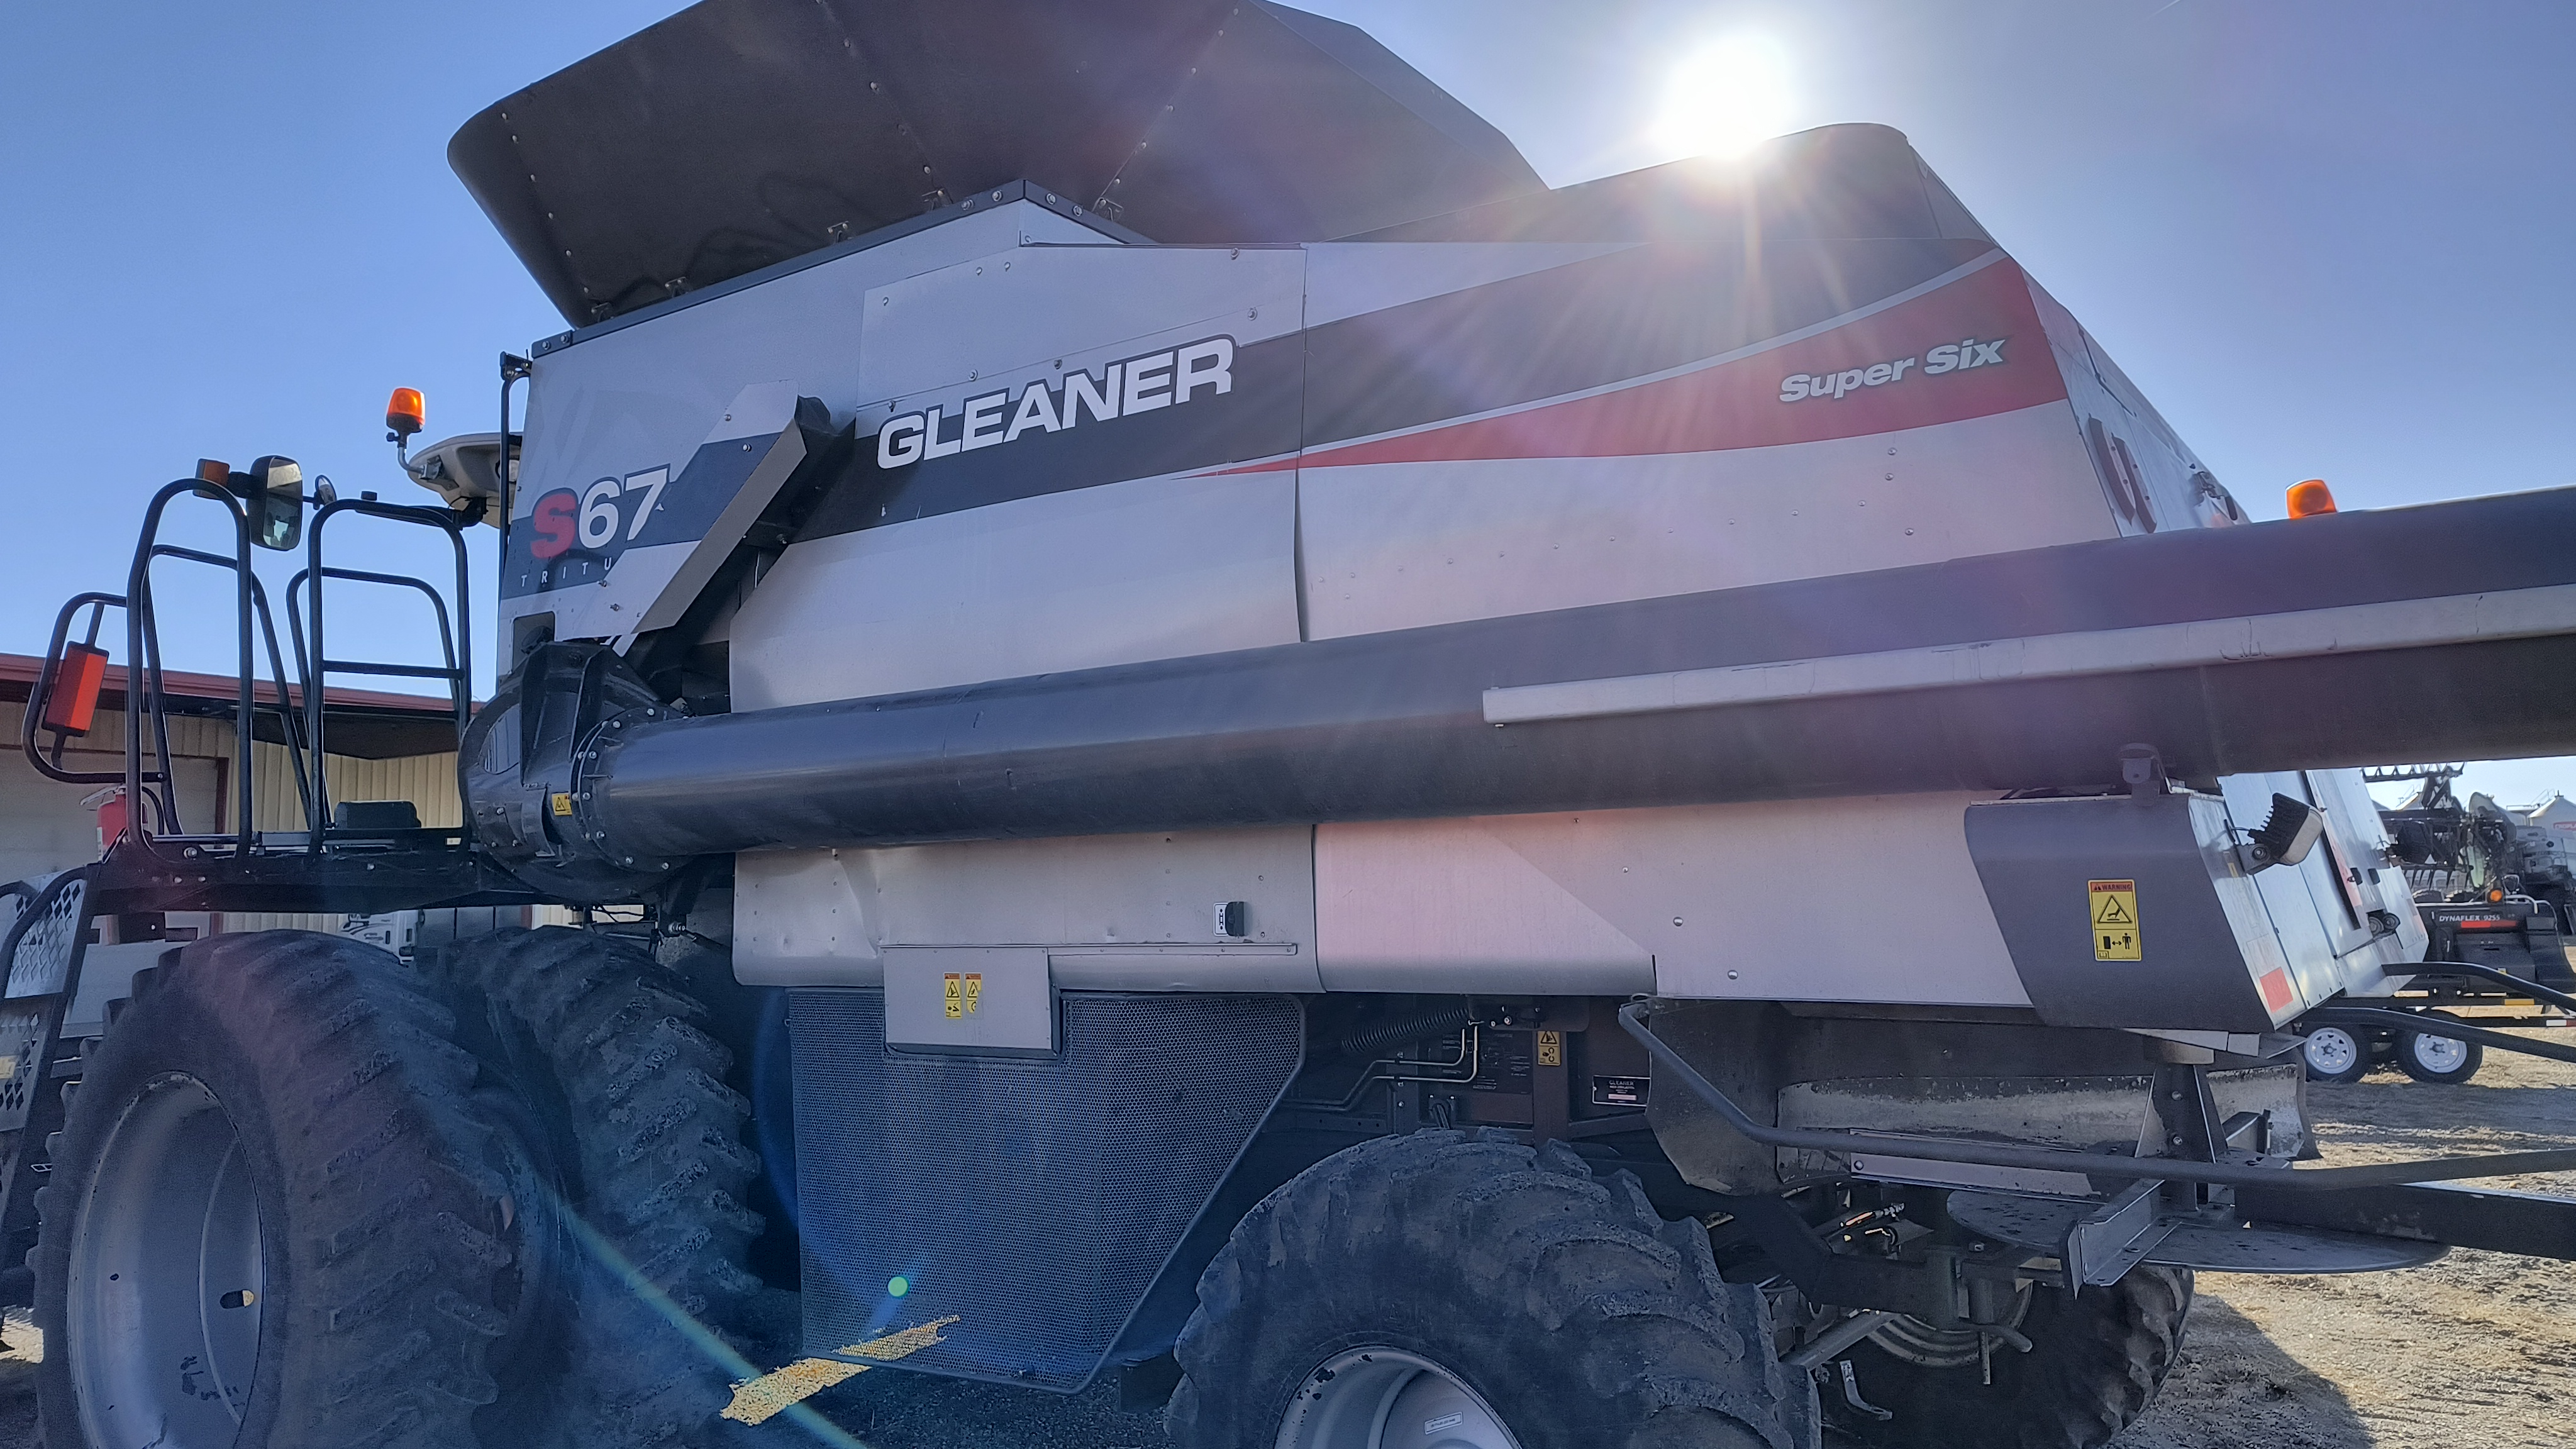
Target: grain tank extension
[(1224, 718)]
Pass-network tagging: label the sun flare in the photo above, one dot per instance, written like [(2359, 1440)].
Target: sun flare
[(1725, 97)]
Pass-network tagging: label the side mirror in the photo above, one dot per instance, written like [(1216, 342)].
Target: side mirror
[(273, 494)]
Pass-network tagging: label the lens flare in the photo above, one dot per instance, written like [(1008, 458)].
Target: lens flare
[(1726, 97), (897, 1286)]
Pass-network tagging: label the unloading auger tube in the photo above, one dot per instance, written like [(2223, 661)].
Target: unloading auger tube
[(2267, 647)]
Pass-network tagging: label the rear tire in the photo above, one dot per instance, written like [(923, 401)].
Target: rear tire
[(2336, 1054), (273, 1218), (1466, 1275), (2095, 1364), (2441, 1060), (628, 1090)]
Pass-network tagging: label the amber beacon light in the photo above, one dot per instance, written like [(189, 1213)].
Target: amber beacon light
[(405, 412), (2311, 498)]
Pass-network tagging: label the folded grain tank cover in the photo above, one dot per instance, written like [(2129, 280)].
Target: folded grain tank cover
[(741, 133)]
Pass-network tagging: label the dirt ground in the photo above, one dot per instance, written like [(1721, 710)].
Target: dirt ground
[(2477, 1349)]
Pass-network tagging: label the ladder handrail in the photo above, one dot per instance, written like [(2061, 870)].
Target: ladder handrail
[(313, 657), (290, 724), (143, 655)]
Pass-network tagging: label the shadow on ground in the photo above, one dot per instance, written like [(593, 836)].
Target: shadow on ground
[(891, 1409), (2235, 1387)]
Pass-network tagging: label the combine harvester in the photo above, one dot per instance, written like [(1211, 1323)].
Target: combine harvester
[(1213, 700)]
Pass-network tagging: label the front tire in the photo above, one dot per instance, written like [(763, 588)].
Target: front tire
[(273, 1217), (1509, 1296), (2094, 1365)]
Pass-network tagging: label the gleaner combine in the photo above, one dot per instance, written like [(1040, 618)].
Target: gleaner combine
[(1213, 700)]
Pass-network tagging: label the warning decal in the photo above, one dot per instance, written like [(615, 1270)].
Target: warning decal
[(962, 993), (2115, 920)]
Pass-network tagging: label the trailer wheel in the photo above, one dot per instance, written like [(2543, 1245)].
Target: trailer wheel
[(273, 1217), (2093, 1364), (2439, 1059), (1460, 1289), (626, 1098), (2334, 1054)]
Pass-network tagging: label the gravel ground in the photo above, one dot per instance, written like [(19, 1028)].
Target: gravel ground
[(20, 1347), (2476, 1349)]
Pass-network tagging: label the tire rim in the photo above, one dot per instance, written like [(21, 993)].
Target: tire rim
[(166, 1286), (1385, 1398), (2438, 1054), (1925, 1346), (2332, 1051)]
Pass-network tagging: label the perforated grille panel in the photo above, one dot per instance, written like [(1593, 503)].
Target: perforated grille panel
[(22, 1032), (1032, 1199), (40, 959)]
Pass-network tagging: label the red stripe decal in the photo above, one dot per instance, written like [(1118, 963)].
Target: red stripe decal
[(1737, 404), (2276, 990)]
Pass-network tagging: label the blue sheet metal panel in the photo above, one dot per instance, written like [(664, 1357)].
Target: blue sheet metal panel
[(1034, 1201)]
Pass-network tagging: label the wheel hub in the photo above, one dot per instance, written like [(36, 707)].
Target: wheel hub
[(2439, 1054), (1384, 1398), (167, 1282), (2331, 1050)]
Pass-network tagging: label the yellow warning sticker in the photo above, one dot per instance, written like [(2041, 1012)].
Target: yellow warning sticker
[(953, 986), (1551, 1049), (974, 990), (563, 803), (2115, 920)]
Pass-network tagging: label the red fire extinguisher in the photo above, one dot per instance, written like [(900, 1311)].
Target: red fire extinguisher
[(110, 805)]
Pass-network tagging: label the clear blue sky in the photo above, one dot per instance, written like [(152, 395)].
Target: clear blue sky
[(2329, 237)]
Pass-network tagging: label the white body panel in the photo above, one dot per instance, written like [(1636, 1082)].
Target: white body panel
[(1049, 307), (1398, 545), (1684, 901), (618, 404), (1133, 912), (1111, 575)]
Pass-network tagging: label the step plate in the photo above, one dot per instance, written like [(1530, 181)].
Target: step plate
[(2043, 1223)]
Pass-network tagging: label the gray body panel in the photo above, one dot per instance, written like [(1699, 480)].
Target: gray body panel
[(2131, 912)]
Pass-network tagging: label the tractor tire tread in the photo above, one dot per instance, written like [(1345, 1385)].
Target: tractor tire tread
[(351, 1302), (1561, 1296), (662, 1169)]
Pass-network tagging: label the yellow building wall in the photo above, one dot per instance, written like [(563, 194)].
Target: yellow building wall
[(43, 826)]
